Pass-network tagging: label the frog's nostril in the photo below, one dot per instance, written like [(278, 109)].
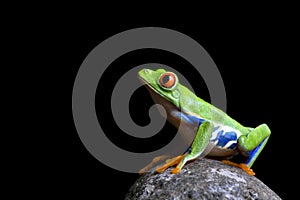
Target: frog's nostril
[(146, 71)]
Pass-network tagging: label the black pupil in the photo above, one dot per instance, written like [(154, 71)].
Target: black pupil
[(165, 79)]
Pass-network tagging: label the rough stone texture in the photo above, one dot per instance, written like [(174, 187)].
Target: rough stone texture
[(201, 179)]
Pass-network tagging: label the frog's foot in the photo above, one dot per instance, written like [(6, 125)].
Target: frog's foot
[(150, 165), (243, 166), (169, 163), (175, 170)]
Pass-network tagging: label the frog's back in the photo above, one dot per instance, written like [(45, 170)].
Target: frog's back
[(219, 117), (204, 111)]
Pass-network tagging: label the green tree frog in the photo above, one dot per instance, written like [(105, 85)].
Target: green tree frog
[(217, 134)]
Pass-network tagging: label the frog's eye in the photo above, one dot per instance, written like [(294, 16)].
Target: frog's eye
[(168, 80)]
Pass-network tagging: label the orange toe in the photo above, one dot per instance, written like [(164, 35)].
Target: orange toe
[(161, 169), (169, 163), (175, 170), (230, 163), (152, 163), (246, 169), (243, 166)]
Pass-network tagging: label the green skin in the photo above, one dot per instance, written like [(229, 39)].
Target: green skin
[(250, 141)]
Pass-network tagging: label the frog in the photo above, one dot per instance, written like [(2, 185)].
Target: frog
[(214, 132)]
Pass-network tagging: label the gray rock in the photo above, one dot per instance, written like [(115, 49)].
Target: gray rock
[(201, 179)]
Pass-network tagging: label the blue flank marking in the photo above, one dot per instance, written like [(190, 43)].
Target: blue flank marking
[(232, 146), (191, 119), (216, 128), (224, 137)]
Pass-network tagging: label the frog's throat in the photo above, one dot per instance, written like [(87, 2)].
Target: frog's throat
[(153, 91)]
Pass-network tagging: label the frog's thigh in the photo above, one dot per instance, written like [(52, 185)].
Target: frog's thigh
[(253, 143), (248, 142)]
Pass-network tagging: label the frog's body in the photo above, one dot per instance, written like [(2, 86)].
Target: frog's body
[(212, 132)]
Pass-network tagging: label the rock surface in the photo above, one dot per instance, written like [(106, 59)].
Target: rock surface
[(201, 179)]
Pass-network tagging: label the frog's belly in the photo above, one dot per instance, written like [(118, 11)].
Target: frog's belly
[(217, 151), (224, 141)]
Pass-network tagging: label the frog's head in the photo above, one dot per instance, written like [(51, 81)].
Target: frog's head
[(162, 82)]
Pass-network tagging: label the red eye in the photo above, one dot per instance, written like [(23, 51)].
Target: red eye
[(167, 79)]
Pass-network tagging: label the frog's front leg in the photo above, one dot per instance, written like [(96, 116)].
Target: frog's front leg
[(152, 163), (252, 144), (198, 148)]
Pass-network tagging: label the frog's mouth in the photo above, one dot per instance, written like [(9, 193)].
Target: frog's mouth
[(147, 85)]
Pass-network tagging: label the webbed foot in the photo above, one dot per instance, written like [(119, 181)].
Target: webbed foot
[(243, 166), (150, 165), (169, 163)]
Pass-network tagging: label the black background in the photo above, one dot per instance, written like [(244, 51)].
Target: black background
[(254, 57)]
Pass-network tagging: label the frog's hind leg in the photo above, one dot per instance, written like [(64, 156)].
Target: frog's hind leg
[(251, 145)]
